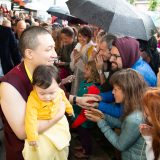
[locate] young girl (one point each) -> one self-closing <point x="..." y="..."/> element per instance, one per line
<point x="44" y="103"/>
<point x="83" y="127"/>
<point x="128" y="89"/>
<point x="151" y="130"/>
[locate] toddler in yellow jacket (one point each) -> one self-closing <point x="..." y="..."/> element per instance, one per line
<point x="43" y="104"/>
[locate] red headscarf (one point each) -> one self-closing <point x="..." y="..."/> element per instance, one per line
<point x="129" y="50"/>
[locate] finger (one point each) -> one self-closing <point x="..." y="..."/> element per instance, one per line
<point x="83" y="106"/>
<point x="88" y="112"/>
<point x="96" y="61"/>
<point x="94" y="97"/>
<point x="95" y="104"/>
<point x="101" y="58"/>
<point x="88" y="117"/>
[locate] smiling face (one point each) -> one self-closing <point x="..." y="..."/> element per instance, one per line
<point x="49" y="93"/>
<point x="115" y="59"/>
<point x="83" y="40"/>
<point x="104" y="51"/>
<point x="118" y="94"/>
<point x="44" y="54"/>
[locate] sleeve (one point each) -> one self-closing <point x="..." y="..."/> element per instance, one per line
<point x="72" y="66"/>
<point x="112" y="109"/>
<point x="31" y="123"/>
<point x="112" y="121"/>
<point x="69" y="108"/>
<point x="107" y="96"/>
<point x="129" y="134"/>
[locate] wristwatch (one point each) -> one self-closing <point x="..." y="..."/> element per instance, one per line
<point x="74" y="100"/>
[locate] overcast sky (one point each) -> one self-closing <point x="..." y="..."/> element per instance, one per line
<point x="60" y="2"/>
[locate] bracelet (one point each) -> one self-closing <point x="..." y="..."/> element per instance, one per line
<point x="74" y="100"/>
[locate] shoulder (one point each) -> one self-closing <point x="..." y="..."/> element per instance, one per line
<point x="9" y="95"/>
<point x="18" y="78"/>
<point x="141" y="66"/>
<point x="136" y="117"/>
<point x="146" y="71"/>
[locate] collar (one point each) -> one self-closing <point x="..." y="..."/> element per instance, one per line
<point x="28" y="73"/>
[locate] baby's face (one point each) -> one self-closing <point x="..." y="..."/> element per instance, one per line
<point x="49" y="93"/>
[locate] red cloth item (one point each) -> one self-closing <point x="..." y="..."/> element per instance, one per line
<point x="81" y="117"/>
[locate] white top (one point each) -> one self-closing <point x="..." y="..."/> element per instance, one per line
<point x="149" y="149"/>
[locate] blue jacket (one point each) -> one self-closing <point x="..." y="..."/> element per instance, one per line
<point x="146" y="71"/>
<point x="129" y="141"/>
<point x="115" y="110"/>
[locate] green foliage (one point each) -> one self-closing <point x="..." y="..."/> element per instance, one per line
<point x="153" y="4"/>
<point x="131" y="1"/>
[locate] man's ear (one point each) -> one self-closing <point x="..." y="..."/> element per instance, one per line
<point x="28" y="53"/>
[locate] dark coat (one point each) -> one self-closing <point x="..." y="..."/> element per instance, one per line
<point x="9" y="52"/>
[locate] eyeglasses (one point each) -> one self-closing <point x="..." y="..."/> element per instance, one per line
<point x="115" y="56"/>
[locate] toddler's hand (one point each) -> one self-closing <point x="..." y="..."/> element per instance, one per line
<point x="33" y="143"/>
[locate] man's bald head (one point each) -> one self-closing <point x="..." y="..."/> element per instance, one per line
<point x="21" y="26"/>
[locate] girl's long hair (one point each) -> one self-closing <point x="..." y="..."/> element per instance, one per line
<point x="94" y="73"/>
<point x="151" y="102"/>
<point x="133" y="87"/>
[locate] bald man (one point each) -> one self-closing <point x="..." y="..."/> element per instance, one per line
<point x="20" y="27"/>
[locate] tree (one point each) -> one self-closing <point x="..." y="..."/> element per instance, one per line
<point x="131" y="1"/>
<point x="153" y="4"/>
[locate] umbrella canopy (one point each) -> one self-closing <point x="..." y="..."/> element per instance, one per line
<point x="114" y="16"/>
<point x="155" y="15"/>
<point x="62" y="12"/>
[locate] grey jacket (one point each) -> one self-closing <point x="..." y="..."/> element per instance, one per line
<point x="129" y="141"/>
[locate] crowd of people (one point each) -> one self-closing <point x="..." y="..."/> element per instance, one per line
<point x="58" y="79"/>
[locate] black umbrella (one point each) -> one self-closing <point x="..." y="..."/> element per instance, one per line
<point x="114" y="16"/>
<point x="63" y="13"/>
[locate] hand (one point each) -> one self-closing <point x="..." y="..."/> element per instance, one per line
<point x="84" y="102"/>
<point x="94" y="115"/>
<point x="33" y="143"/>
<point x="99" y="62"/>
<point x="145" y="129"/>
<point x="68" y="79"/>
<point x="60" y="63"/>
<point x="98" y="97"/>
